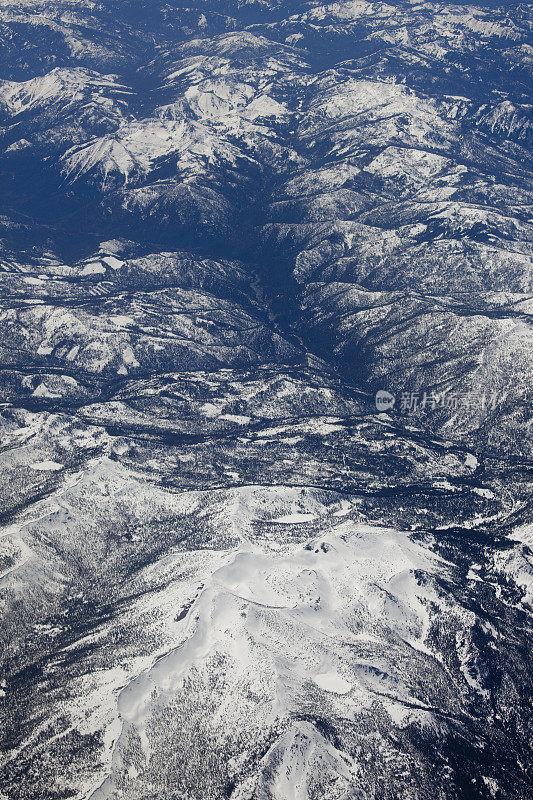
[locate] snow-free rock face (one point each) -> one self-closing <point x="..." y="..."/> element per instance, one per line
<point x="227" y="569"/>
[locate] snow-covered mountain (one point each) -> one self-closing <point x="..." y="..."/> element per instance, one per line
<point x="225" y="570"/>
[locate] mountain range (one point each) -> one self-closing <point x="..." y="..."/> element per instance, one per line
<point x="266" y="383"/>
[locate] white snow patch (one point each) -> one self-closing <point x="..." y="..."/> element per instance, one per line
<point x="343" y="510"/>
<point x="471" y="461"/>
<point x="51" y="466"/>
<point x="128" y="357"/>
<point x="289" y="519"/>
<point x="331" y="682"/>
<point x="93" y="268"/>
<point x="43" y="391"/>
<point x="121" y="320"/>
<point x="114" y="263"/>
<point x="483" y="492"/>
<point x="210" y="410"/>
<point x="238" y="418"/>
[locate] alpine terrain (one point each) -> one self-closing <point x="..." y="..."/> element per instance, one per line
<point x="266" y="394"/>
